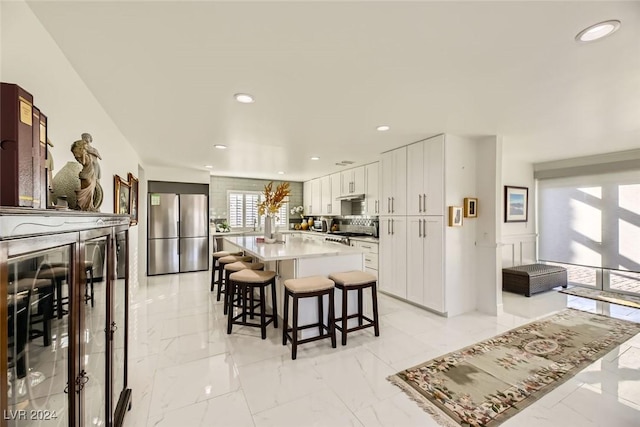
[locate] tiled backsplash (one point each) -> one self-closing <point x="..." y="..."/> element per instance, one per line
<point x="221" y="184"/>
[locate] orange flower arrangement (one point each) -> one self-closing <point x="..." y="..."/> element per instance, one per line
<point x="273" y="200"/>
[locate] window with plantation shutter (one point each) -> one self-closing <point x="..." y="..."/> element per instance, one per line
<point x="243" y="211"/>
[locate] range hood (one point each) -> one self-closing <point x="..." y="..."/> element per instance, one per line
<point x="351" y="197"/>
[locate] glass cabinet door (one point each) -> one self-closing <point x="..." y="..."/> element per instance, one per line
<point x="93" y="298"/>
<point x="38" y="321"/>
<point x="119" y="324"/>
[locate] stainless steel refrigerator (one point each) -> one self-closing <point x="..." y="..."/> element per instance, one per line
<point x="178" y="233"/>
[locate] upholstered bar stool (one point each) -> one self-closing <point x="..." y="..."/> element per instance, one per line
<point x="214" y="264"/>
<point x="308" y="287"/>
<point x="42" y="297"/>
<point x="247" y="281"/>
<point x="222" y="261"/>
<point x="356" y="281"/>
<point x="233" y="268"/>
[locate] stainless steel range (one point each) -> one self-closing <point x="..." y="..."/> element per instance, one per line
<point x="343" y="237"/>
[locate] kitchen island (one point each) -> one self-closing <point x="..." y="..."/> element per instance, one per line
<point x="300" y="256"/>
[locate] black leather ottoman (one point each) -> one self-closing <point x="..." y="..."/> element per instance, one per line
<point x="533" y="278"/>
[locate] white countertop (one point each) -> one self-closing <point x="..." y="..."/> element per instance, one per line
<point x="295" y="247"/>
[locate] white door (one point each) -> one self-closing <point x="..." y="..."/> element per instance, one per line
<point x="387" y="182"/>
<point x="434" y="295"/>
<point x="434" y="176"/>
<point x="346" y="181"/>
<point x="392" y="261"/>
<point x="358" y="180"/>
<point x="415" y="259"/>
<point x="415" y="181"/>
<point x="371" y="190"/>
<point x="306" y="197"/>
<point x="336" y="205"/>
<point x="399" y="194"/>
<point x="316" y="197"/>
<point x="325" y="195"/>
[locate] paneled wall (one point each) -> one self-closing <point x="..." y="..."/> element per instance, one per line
<point x="221" y="184"/>
<point x="519" y="250"/>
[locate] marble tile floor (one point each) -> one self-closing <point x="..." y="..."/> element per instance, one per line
<point x="186" y="371"/>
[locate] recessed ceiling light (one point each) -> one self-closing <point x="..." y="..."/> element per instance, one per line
<point x="244" y="98"/>
<point x="598" y="31"/>
<point x="208" y="166"/>
<point x="383" y="128"/>
<point x="315" y="158"/>
<point x="280" y="172"/>
<point x="220" y="147"/>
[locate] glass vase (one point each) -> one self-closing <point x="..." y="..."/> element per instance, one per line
<point x="269" y="227"/>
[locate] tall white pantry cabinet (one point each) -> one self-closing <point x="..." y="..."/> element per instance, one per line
<point x="412" y="223"/>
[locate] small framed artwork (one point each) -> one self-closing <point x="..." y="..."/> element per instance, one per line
<point x="133" y="198"/>
<point x="455" y="216"/>
<point x="121" y="195"/>
<point x="470" y="207"/>
<point x="516" y="204"/>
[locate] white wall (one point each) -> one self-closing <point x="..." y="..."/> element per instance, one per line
<point x="195" y="176"/>
<point x="489" y="225"/>
<point x="32" y="59"/>
<point x="460" y="257"/>
<point x="518" y="238"/>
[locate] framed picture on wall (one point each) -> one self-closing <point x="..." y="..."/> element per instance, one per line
<point x="516" y="204"/>
<point x="133" y="198"/>
<point x="470" y="207"/>
<point x="455" y="216"/>
<point x="121" y="195"/>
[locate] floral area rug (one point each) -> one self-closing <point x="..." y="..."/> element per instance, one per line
<point x="488" y="382"/>
<point x="612" y="297"/>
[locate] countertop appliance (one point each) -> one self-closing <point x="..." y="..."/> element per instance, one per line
<point x="178" y="233"/>
<point x="320" y="225"/>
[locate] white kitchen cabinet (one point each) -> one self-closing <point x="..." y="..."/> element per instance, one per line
<point x="336" y="206"/>
<point x="425" y="177"/>
<point x="325" y="195"/>
<point x="425" y="277"/>
<point x="392" y="260"/>
<point x="316" y="197"/>
<point x="306" y="197"/>
<point x="394" y="182"/>
<point x="352" y="181"/>
<point x="371" y="195"/>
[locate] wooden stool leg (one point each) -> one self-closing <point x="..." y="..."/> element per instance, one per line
<point x="332" y="319"/>
<point x="220" y="274"/>
<point x="243" y="295"/>
<point x="230" y="315"/>
<point x="344" y="315"/>
<point x="59" y="295"/>
<point x="286" y="317"/>
<point x="360" y="307"/>
<point x="320" y="312"/>
<point x="263" y="312"/>
<point x="274" y="303"/>
<point x="213" y="273"/>
<point x="294" y="332"/>
<point x="374" y="301"/>
<point x="228" y="295"/>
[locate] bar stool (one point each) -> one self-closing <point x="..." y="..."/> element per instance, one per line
<point x="222" y="261"/>
<point x="214" y="264"/>
<point x="88" y="286"/>
<point x="350" y="281"/>
<point x="233" y="268"/>
<point x="247" y="281"/>
<point x="307" y="287"/>
<point x="41" y="295"/>
<point x="56" y="274"/>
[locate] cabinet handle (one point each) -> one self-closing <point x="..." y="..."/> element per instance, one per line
<point x="388" y="226"/>
<point x="419" y="228"/>
<point x="367" y="259"/>
<point x="392" y="221"/>
<point x="329" y="207"/>
<point x="419" y="202"/>
<point x="424" y="203"/>
<point x="393" y="208"/>
<point x="388" y="204"/>
<point x="424" y="231"/>
<point x="363" y="246"/>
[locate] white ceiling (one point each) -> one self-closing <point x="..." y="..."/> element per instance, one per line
<point x="325" y="74"/>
